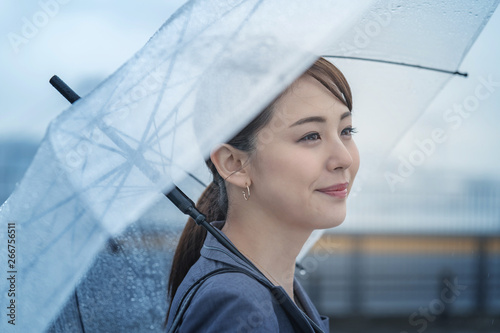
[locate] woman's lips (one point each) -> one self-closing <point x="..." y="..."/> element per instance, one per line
<point x="337" y="190"/>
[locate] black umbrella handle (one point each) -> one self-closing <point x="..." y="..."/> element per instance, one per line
<point x="187" y="206"/>
<point x="64" y="89"/>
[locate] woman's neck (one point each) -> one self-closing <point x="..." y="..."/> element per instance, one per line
<point x="271" y="245"/>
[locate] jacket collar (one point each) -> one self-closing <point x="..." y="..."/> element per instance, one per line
<point x="213" y="250"/>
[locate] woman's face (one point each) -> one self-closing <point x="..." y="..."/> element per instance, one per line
<point x="305" y="159"/>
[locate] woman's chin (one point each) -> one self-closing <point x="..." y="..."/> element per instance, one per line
<point x="331" y="221"/>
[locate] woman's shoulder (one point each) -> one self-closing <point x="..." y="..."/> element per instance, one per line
<point x="233" y="302"/>
<point x="236" y="284"/>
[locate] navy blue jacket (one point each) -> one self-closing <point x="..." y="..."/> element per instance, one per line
<point x="241" y="301"/>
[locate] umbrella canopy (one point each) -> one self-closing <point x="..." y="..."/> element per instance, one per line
<point x="106" y="160"/>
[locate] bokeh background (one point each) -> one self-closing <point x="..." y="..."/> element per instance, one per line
<point x="421" y="255"/>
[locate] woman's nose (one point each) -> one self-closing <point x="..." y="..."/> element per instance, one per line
<point x="339" y="156"/>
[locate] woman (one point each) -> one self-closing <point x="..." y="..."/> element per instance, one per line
<point x="284" y="175"/>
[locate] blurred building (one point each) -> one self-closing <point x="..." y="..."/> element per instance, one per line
<point x="15" y="157"/>
<point x="399" y="275"/>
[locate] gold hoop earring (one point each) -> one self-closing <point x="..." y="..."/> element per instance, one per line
<point x="245" y="195"/>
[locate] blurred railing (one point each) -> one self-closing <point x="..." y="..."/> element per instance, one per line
<point x="442" y="206"/>
<point x="399" y="275"/>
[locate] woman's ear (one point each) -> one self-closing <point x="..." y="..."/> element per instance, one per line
<point x="231" y="164"/>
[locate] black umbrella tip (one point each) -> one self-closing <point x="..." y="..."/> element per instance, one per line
<point x="64" y="89"/>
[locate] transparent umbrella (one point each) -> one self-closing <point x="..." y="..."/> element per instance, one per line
<point x="105" y="162"/>
<point x="108" y="158"/>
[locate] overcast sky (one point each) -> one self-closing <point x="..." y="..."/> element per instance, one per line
<point x="83" y="43"/>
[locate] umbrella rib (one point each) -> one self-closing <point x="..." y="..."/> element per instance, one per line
<point x="167" y="120"/>
<point x="196" y="179"/>
<point x="164" y="85"/>
<point x="100" y="145"/>
<point x="118" y="188"/>
<point x="113" y="178"/>
<point x="71" y="197"/>
<point x="153" y="92"/>
<point x="399" y="64"/>
<point x="52" y="243"/>
<point x="139" y="162"/>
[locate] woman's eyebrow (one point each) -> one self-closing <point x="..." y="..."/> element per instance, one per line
<point x="345" y="115"/>
<point x="317" y="119"/>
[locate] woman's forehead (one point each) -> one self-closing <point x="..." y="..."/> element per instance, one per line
<point x="307" y="97"/>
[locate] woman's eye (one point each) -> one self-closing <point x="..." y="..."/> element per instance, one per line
<point x="349" y="131"/>
<point x="311" y="137"/>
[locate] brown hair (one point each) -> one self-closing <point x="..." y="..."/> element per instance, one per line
<point x="214" y="202"/>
